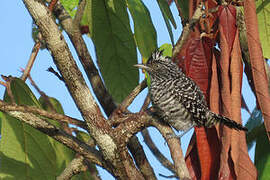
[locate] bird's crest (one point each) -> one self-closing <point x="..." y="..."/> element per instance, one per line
<point x="157" y="54"/>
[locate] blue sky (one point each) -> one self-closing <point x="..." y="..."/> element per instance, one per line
<point x="15" y="48"/>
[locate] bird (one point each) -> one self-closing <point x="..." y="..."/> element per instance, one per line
<point x="177" y="99"/>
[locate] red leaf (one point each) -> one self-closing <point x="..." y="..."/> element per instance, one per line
<point x="227" y="21"/>
<point x="198" y="62"/>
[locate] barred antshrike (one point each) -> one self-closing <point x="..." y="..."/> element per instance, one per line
<point x="176" y="98"/>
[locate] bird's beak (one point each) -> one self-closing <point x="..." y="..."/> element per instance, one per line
<point x="141" y="66"/>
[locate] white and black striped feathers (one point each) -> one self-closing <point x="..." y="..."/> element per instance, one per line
<point x="177" y="99"/>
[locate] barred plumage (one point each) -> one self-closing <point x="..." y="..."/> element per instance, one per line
<point x="177" y="99"/>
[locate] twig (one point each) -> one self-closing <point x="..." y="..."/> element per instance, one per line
<point x="55" y="116"/>
<point x="8" y="79"/>
<point x="141" y="161"/>
<point x="3" y="83"/>
<point x="79" y="164"/>
<point x="35" y="49"/>
<point x="136" y="122"/>
<point x="129" y="99"/>
<point x="186" y="30"/>
<point x="165" y="176"/>
<point x="64" y="125"/>
<point x="31" y="61"/>
<point x="121" y="114"/>
<point x="160" y="157"/>
<point x="36" y="87"/>
<point x="145" y="103"/>
<point x="50" y="69"/>
<point x="74" y="167"/>
<point x="175" y="149"/>
<point x="79" y="14"/>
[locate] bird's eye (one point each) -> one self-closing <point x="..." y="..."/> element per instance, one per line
<point x="156" y="65"/>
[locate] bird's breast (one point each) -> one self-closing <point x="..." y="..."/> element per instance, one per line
<point x="168" y="107"/>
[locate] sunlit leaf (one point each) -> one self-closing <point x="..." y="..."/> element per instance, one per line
<point x="26" y="153"/>
<point x="1" y="116"/>
<point x="115" y="46"/>
<point x="70" y="6"/>
<point x="263" y="14"/>
<point x="22" y="147"/>
<point x="167" y="49"/>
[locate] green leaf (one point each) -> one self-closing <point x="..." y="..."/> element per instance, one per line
<point x="167" y="16"/>
<point x="84" y="137"/>
<point x="164" y="6"/>
<point x="25" y="152"/>
<point x="257" y="132"/>
<point x="262" y="155"/>
<point x="253" y="124"/>
<point x="70" y="6"/>
<point x="21" y="93"/>
<point x="144" y="31"/>
<point x="1" y="116"/>
<point x="63" y="154"/>
<point x="254" y="120"/>
<point x="167" y="49"/>
<point x="114" y="43"/>
<point x="263" y="15"/>
<point x="184" y="9"/>
<point x="23" y="147"/>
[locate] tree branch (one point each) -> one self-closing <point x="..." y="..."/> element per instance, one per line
<point x="129" y="99"/>
<point x="74" y="167"/>
<point x="79" y="14"/>
<point x="31" y="61"/>
<point x="146" y="103"/>
<point x="73" y="31"/>
<point x="175" y="149"/>
<point x="134" y="123"/>
<point x="70" y="141"/>
<point x="51" y="115"/>
<point x="35" y="49"/>
<point x="186" y="30"/>
<point x="141" y="159"/>
<point x="98" y="127"/>
<point x="51" y="70"/>
<point x="160" y="157"/>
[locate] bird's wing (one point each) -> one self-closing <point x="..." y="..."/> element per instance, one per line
<point x="192" y="98"/>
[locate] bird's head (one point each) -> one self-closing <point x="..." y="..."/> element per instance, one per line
<point x="158" y="64"/>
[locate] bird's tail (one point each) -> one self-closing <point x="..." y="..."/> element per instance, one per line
<point x="226" y="121"/>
